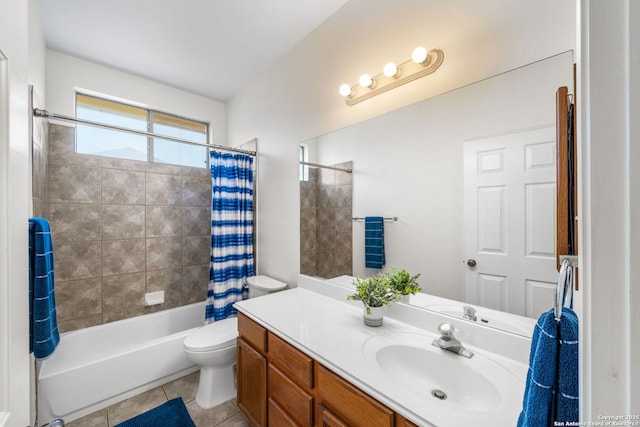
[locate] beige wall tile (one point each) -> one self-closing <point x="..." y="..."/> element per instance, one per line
<point x="77" y="260"/>
<point x="123" y="256"/>
<point x="123" y="221"/>
<point x="164" y="252"/>
<point x="123" y="187"/>
<point x="164" y="221"/>
<point x="123" y="291"/>
<point x="78" y="298"/>
<point x="163" y="190"/>
<point x="75" y="222"/>
<point x="74" y="184"/>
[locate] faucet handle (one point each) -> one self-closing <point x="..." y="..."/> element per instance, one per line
<point x="446" y="330"/>
<point x="469" y="313"/>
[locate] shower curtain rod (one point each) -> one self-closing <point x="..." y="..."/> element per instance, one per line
<point x="37" y="112"/>
<point x="318" y="165"/>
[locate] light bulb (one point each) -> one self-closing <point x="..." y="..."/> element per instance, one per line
<point x="345" y="90"/>
<point x="365" y="80"/>
<point x="390" y="69"/>
<point x="419" y="55"/>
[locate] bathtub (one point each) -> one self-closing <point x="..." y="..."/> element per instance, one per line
<point x="95" y="367"/>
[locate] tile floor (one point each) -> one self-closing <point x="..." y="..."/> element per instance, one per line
<point x="224" y="415"/>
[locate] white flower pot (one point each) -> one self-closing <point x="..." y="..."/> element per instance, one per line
<point x="374" y="317"/>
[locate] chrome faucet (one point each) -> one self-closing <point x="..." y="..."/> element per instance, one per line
<point x="469" y="313"/>
<point x="449" y="343"/>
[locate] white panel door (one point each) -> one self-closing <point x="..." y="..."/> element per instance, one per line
<point x="509" y="220"/>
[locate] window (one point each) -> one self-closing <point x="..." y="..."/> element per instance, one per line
<point x="304" y="169"/>
<point x="127" y="145"/>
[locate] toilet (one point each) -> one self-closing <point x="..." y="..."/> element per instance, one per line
<point x="213" y="348"/>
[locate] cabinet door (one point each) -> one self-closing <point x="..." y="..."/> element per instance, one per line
<point x="252" y="384"/>
<point x="329" y="419"/>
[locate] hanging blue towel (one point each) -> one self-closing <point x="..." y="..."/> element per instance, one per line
<point x="43" y="324"/>
<point x="551" y="392"/>
<point x="374" y="242"/>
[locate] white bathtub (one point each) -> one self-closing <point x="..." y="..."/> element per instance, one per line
<point x="96" y="367"/>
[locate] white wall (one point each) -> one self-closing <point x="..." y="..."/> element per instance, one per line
<point x="409" y="163"/>
<point x="297" y="98"/>
<point x="66" y="74"/>
<point x="37" y="55"/>
<point x="21" y="43"/>
<point x="609" y="131"/>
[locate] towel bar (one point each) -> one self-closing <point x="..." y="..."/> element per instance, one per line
<point x="564" y="289"/>
<point x="386" y="219"/>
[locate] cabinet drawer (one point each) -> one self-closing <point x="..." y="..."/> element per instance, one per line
<point x="403" y="422"/>
<point x="341" y="398"/>
<point x="291" y="361"/>
<point x="328" y="419"/>
<point x="252" y="333"/>
<point x="295" y="401"/>
<point x="278" y="417"/>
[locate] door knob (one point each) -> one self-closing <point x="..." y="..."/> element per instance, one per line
<point x="471" y="263"/>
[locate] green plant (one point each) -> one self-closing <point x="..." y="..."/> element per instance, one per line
<point x="384" y="288"/>
<point x="374" y="291"/>
<point x="403" y="282"/>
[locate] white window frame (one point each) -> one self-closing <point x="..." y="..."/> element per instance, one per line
<point x="149" y="128"/>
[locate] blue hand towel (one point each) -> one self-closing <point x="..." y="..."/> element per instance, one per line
<point x="374" y="242"/>
<point x="551" y="392"/>
<point x="43" y="324"/>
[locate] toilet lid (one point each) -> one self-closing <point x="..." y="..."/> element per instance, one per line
<point x="266" y="283"/>
<point x="220" y="334"/>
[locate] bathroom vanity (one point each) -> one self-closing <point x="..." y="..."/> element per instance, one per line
<point x="278" y="385"/>
<point x="305" y="358"/>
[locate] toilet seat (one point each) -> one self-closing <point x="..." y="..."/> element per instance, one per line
<point x="214" y="336"/>
<point x="266" y="283"/>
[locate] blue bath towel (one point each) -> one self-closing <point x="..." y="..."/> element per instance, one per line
<point x="551" y="392"/>
<point x="374" y="242"/>
<point x="43" y="324"/>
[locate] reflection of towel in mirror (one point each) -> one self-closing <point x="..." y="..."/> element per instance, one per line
<point x="43" y="325"/>
<point x="551" y="392"/>
<point x="374" y="242"/>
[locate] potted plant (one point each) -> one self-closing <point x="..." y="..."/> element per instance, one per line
<point x="404" y="283"/>
<point x="381" y="290"/>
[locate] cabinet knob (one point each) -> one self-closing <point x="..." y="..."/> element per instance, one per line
<point x="471" y="263"/>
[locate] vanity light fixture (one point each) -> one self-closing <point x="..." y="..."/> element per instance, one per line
<point x="422" y="63"/>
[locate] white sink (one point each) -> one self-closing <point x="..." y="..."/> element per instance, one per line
<point x="479" y="384"/>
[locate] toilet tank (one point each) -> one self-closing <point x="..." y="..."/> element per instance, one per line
<point x="263" y="285"/>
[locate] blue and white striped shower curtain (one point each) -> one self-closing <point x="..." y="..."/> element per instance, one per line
<point x="232" y="259"/>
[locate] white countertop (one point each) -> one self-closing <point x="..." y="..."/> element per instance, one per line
<point x="333" y="333"/>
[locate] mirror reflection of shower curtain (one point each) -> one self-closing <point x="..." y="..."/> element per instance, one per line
<point x="232" y="252"/>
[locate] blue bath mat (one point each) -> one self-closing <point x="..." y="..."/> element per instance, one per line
<point x="170" y="414"/>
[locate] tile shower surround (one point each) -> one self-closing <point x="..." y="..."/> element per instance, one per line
<point x="326" y="222"/>
<point x="120" y="228"/>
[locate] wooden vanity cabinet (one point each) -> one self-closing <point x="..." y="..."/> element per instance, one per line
<point x="280" y="386"/>
<point x="251" y="390"/>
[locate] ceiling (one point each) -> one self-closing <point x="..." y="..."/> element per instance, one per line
<point x="208" y="47"/>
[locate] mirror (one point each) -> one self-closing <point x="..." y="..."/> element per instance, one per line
<point x="470" y="176"/>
